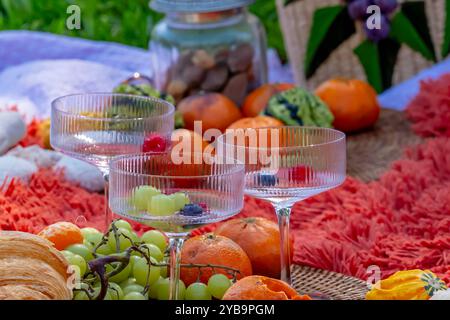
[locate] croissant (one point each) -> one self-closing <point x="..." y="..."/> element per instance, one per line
<point x="31" y="268"/>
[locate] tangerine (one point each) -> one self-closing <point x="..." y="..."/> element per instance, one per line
<point x="62" y="234"/>
<point x="191" y="138"/>
<point x="258" y="99"/>
<point x="260" y="239"/>
<point x="213" y="250"/>
<point x="214" y="110"/>
<point x="353" y="103"/>
<point x="256" y="122"/>
<point x="262" y="288"/>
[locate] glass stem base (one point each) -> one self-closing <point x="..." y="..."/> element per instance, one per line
<point x="108" y="213"/>
<point x="175" y="245"/>
<point x="284" y="215"/>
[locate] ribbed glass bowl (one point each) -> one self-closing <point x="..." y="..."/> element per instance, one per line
<point x="218" y="187"/>
<point x="95" y="127"/>
<point x="285" y="165"/>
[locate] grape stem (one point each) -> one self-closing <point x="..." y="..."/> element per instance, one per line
<point x="97" y="266"/>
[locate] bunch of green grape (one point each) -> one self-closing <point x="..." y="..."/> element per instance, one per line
<point x="139" y="280"/>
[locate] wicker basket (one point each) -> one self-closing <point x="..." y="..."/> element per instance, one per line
<point x="296" y="22"/>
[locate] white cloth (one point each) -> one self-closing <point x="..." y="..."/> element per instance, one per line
<point x="12" y="130"/>
<point x="40" y="157"/>
<point x="82" y="173"/>
<point x="43" y="81"/>
<point x="15" y="168"/>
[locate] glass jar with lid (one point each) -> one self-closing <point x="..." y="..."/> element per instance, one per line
<point x="208" y="46"/>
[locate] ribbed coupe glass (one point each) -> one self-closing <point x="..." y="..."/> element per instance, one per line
<point x="94" y="127"/>
<point x="215" y="186"/>
<point x="285" y="165"/>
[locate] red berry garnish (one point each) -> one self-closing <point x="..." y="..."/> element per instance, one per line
<point x="297" y="174"/>
<point x="154" y="143"/>
<point x="300" y="173"/>
<point x="203" y="205"/>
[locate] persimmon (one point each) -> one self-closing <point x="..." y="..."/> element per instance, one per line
<point x="260" y="239"/>
<point x="262" y="288"/>
<point x="257" y="100"/>
<point x="214" y="110"/>
<point x="213" y="250"/>
<point x="62" y="234"/>
<point x="256" y="122"/>
<point x="353" y="103"/>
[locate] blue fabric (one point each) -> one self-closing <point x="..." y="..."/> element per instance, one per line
<point x="399" y="96"/>
<point x="17" y="47"/>
<point x="36" y="68"/>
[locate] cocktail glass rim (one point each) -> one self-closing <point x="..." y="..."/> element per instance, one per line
<point x="171" y="110"/>
<point x="115" y="159"/>
<point x="342" y="137"/>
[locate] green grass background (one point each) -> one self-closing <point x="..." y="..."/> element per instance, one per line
<point x="128" y="22"/>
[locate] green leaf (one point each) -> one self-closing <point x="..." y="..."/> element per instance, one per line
<point x="378" y="61"/>
<point x="267" y="13"/>
<point x="446" y="42"/>
<point x="330" y="28"/>
<point x="409" y="26"/>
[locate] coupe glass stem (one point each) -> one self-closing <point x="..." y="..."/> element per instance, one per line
<point x="108" y="213"/>
<point x="284" y="215"/>
<point x="175" y="244"/>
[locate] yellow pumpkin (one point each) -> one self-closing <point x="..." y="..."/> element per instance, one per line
<point x="407" y="285"/>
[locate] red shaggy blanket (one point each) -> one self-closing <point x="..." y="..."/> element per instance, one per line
<point x="47" y="199"/>
<point x="430" y="109"/>
<point x="400" y="222"/>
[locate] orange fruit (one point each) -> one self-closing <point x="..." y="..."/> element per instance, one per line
<point x="256" y="122"/>
<point x="252" y="234"/>
<point x="258" y="99"/>
<point x="62" y="234"/>
<point x="353" y="103"/>
<point x="189" y="137"/>
<point x="262" y="288"/>
<point x="215" y="250"/>
<point x="214" y="110"/>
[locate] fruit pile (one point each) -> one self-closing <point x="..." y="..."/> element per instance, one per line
<point x="120" y="265"/>
<point x="153" y="201"/>
<point x="348" y="105"/>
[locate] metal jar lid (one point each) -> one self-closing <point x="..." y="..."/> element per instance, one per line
<point x="192" y="6"/>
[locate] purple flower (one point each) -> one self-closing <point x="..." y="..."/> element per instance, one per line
<point x="386" y="6"/>
<point x="378" y="34"/>
<point x="357" y="9"/>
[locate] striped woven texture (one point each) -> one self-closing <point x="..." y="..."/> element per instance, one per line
<point x="296" y="20"/>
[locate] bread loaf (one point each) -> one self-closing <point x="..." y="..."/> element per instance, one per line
<point x="31" y="268"/>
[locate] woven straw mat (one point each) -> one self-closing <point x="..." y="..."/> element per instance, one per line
<point x="326" y="284"/>
<point x="370" y="153"/>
